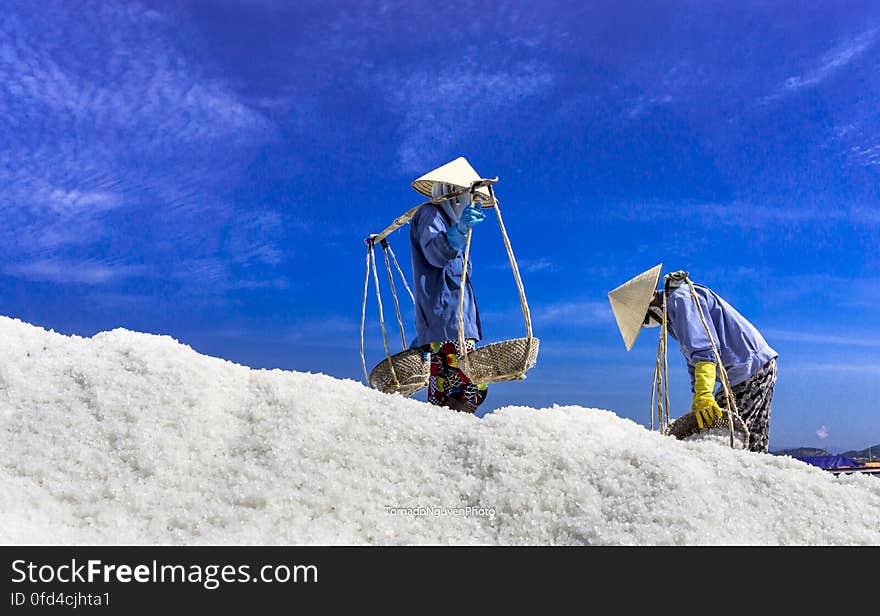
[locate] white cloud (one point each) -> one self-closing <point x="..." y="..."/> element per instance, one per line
<point x="852" y="368"/>
<point x="441" y="109"/>
<point x="828" y="65"/>
<point x="279" y="283"/>
<point x="839" y="291"/>
<point x="332" y="330"/>
<point x="532" y="266"/>
<point x="868" y="156"/>
<point x="90" y="272"/>
<point x="120" y="301"/>
<point x="213" y="275"/>
<point x="643" y="105"/>
<point x="748" y="215"/>
<point x="823" y="432"/>
<point x="82" y="202"/>
<point x="806" y="337"/>
<point x="858" y="140"/>
<point x="124" y="127"/>
<point x="576" y="313"/>
<point x="251" y="240"/>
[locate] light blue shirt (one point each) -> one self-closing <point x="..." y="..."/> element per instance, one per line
<point x="742" y="347"/>
<point x="437" y="268"/>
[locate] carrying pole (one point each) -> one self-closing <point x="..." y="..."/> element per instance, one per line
<point x="404" y="218"/>
<point x="394" y="294"/>
<point x="364" y="315"/>
<point x="462" y="343"/>
<point x="382" y="316"/>
<point x="524" y="304"/>
<point x="516" y="276"/>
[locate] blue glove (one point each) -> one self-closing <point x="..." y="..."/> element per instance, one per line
<point x="470" y="216"/>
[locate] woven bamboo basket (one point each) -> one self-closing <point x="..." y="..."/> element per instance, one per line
<point x="412" y="372"/>
<point x="686" y="426"/>
<point x="507" y="360"/>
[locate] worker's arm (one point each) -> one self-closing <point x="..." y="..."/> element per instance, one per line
<point x="697" y="349"/>
<point x="441" y="244"/>
<point x="684" y="319"/>
<point x="431" y="230"/>
<point x="703" y="404"/>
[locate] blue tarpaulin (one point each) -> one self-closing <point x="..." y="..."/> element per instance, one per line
<point x="829" y="461"/>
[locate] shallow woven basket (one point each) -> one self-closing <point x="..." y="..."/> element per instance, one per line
<point x="507" y="360"/>
<point x="411" y="369"/>
<point x="686" y="426"/>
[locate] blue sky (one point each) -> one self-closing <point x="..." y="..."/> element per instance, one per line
<point x="208" y="170"/>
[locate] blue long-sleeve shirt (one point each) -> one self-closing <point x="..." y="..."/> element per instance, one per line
<point x="437" y="268"/>
<point x="742" y="348"/>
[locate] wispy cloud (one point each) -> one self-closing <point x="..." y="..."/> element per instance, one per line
<point x="101" y="141"/>
<point x="531" y="266"/>
<point x="79" y="202"/>
<point x="828" y="65"/>
<point x="643" y="105"/>
<point x="846" y="368"/>
<point x="441" y="109"/>
<point x="251" y="240"/>
<point x="857" y="139"/>
<point x="332" y="323"/>
<point x="823" y="432"/>
<point x="90" y="272"/>
<point x="748" y="215"/>
<point x="869" y="156"/>
<point x="279" y="283"/>
<point x="808" y="338"/>
<point x="120" y="301"/>
<point x="839" y="291"/>
<point x="575" y="313"/>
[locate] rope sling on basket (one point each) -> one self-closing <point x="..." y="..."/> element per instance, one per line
<point x="408" y="371"/>
<point x="686" y="425"/>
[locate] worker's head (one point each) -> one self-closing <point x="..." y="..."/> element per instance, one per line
<point x="453" y="206"/>
<point x="654" y="315"/>
<point x="631" y="302"/>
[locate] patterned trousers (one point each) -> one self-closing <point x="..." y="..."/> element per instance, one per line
<point x="753" y="397"/>
<point x="448" y="386"/>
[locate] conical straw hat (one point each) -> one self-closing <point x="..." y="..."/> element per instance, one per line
<point x="629" y="302"/>
<point x="458" y="173"/>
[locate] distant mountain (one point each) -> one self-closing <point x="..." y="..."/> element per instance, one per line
<point x="859" y="456"/>
<point x="862" y="455"/>
<point x="800" y="452"/>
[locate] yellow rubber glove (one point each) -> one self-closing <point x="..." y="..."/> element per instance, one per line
<point x="704" y="405"/>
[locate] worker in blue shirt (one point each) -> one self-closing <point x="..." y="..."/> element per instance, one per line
<point x="437" y="238"/>
<point x="749" y="361"/>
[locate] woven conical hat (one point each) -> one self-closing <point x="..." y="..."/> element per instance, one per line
<point x="458" y="173"/>
<point x="629" y="302"/>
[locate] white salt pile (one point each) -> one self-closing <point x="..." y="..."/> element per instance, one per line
<point x="719" y="436"/>
<point x="133" y="438"/>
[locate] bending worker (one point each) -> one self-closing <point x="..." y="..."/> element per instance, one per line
<point x="749" y="361"/>
<point x="437" y="238"/>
